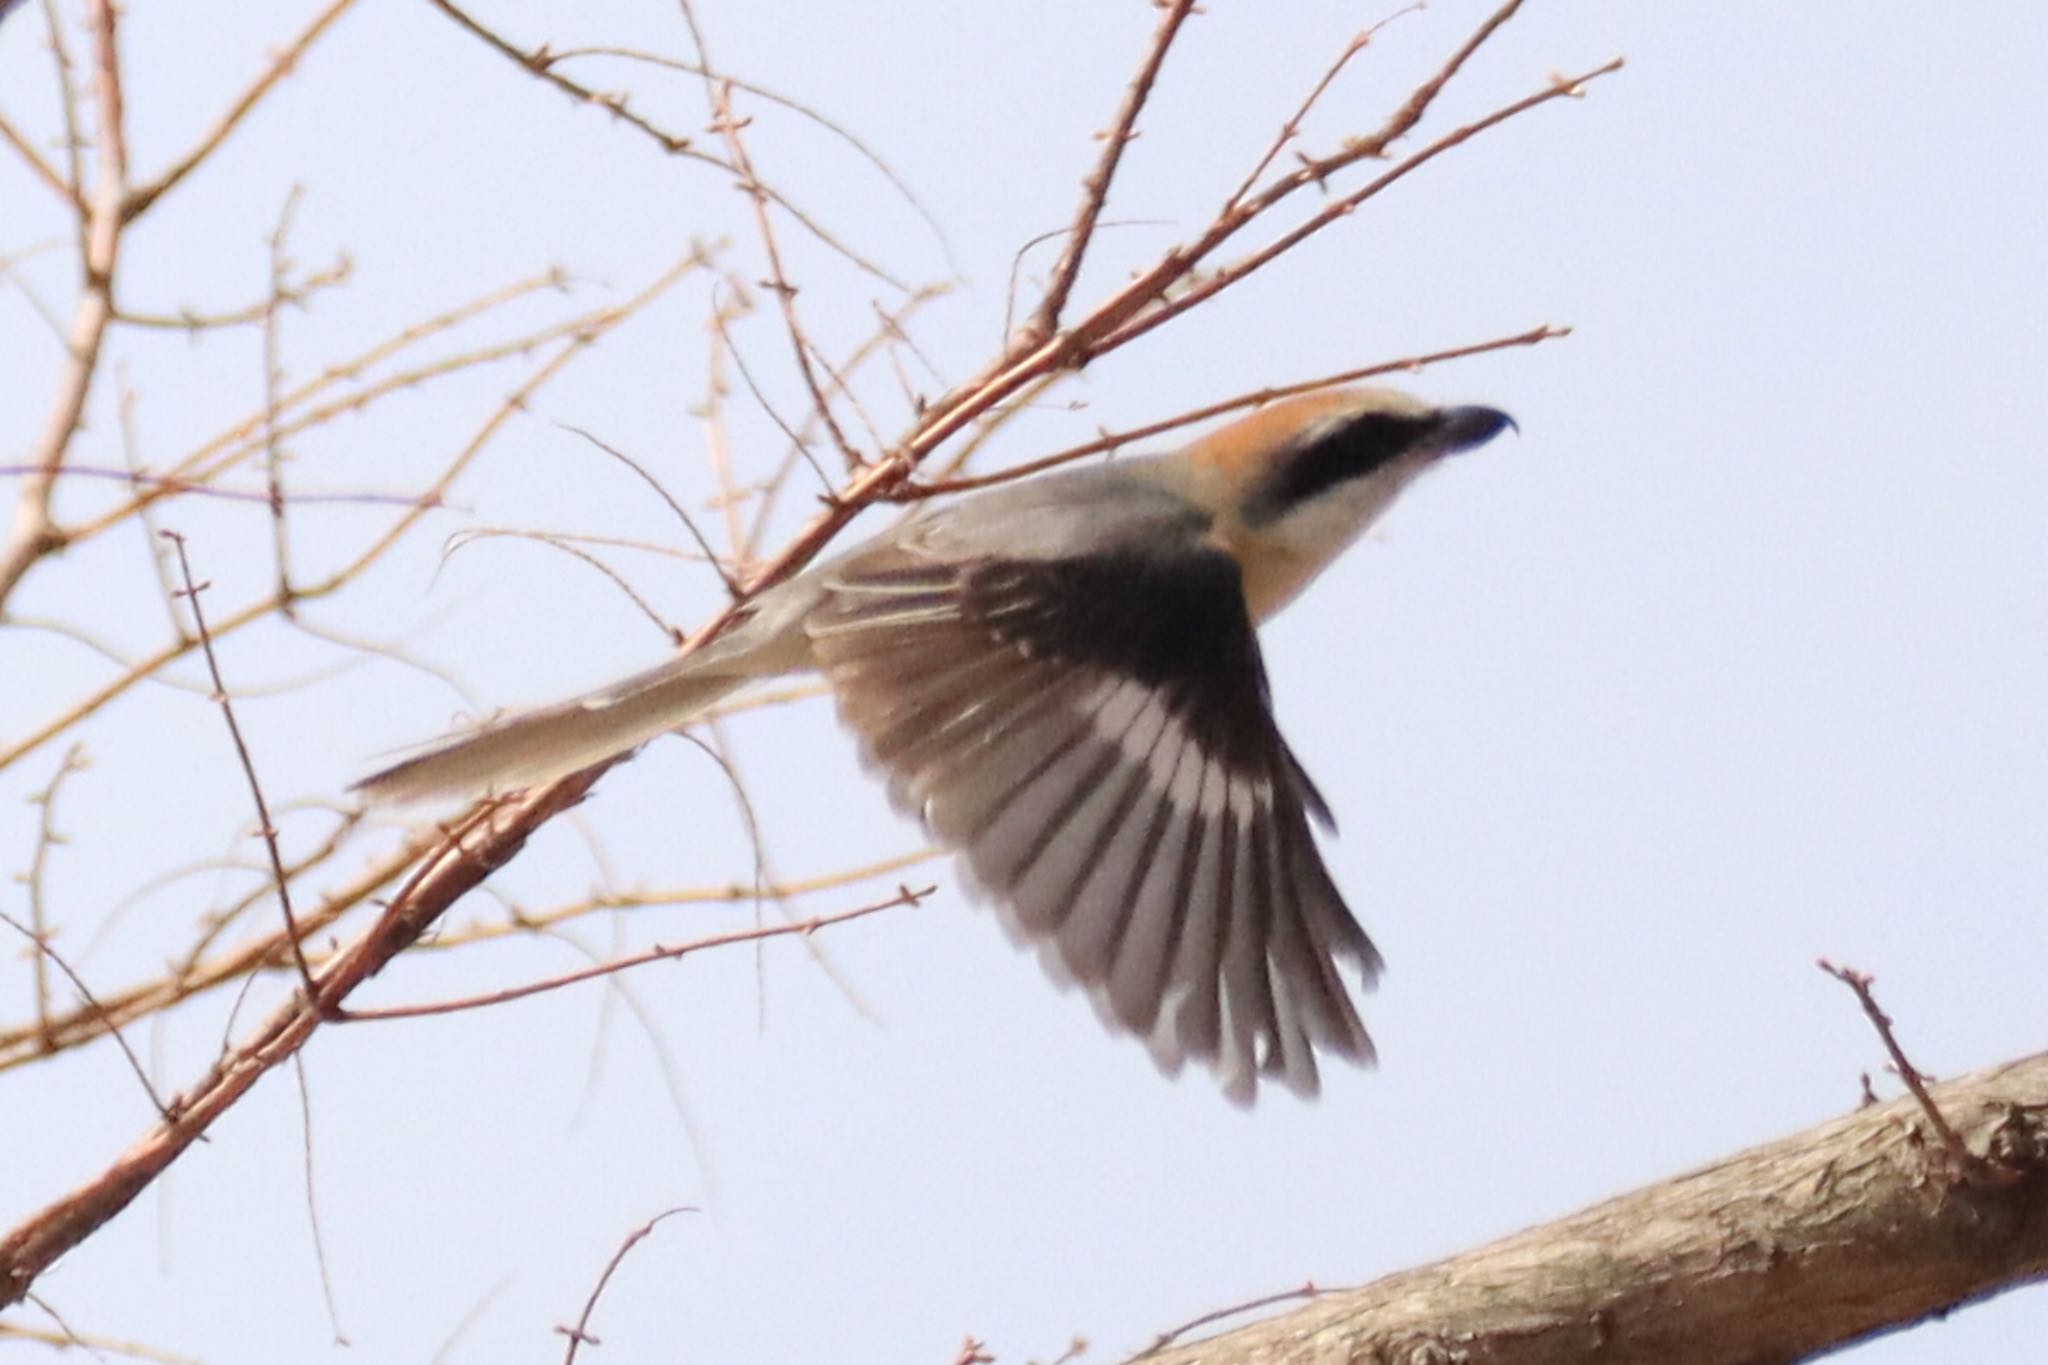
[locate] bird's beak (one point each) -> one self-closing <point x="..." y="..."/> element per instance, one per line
<point x="1466" y="427"/>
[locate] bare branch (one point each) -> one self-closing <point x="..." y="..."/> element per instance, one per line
<point x="580" y="1333"/>
<point x="43" y="170"/>
<point x="905" y="896"/>
<point x="39" y="945"/>
<point x="777" y="283"/>
<point x="34" y="534"/>
<point x="265" y="827"/>
<point x="1095" y="189"/>
<point x="281" y="65"/>
<point x="1962" y="1164"/>
<point x="48" y="837"/>
<point x="1258" y="398"/>
<point x="1774" y="1254"/>
<point x="540" y="62"/>
<point x="1135" y="325"/>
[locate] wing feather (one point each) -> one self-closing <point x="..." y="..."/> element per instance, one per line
<point x="1092" y="735"/>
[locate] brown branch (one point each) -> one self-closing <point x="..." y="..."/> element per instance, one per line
<point x="264" y="825"/>
<point x="280" y="66"/>
<point x="520" y="921"/>
<point x="728" y="126"/>
<point x="775" y="97"/>
<point x="1256" y="398"/>
<point x="242" y="439"/>
<point x="39" y="945"/>
<point x="580" y="1333"/>
<point x="591" y="329"/>
<point x="48" y="837"/>
<point x="43" y="170"/>
<point x="99" y="1345"/>
<point x="539" y="62"/>
<point x="1290" y="129"/>
<point x="1773" y="1254"/>
<point x="191" y="320"/>
<point x="647" y="477"/>
<point x="67" y="108"/>
<point x="1135" y="324"/>
<point x="497" y="832"/>
<point x="1962" y="1164"/>
<point x="804" y="928"/>
<point x="274" y="453"/>
<point x="198" y="973"/>
<point x="35" y="535"/>
<point x="1045" y="320"/>
<point x="1165" y="1339"/>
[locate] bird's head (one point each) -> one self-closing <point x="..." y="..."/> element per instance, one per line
<point x="1297" y="481"/>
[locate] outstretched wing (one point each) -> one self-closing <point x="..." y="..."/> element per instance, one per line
<point x="1093" y="735"/>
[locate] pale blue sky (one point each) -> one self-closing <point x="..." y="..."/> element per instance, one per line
<point x="1733" y="659"/>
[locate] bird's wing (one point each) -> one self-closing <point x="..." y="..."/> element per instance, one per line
<point x="1093" y="735"/>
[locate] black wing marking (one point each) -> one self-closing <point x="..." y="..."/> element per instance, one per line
<point x="1092" y="734"/>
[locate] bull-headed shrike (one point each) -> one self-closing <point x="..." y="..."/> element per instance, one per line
<point x="1060" y="678"/>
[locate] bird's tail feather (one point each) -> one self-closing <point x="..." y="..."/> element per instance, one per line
<point x="530" y="747"/>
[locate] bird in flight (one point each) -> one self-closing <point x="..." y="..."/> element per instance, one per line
<point x="1061" y="678"/>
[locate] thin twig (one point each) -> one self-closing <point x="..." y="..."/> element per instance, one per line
<point x="237" y="442"/>
<point x="580" y="1333"/>
<point x="190" y="592"/>
<point x="647" y="477"/>
<point x="1256" y="398"/>
<point x="1045" y="320"/>
<point x="777" y="283"/>
<point x="538" y="62"/>
<point x="197" y="973"/>
<point x="1291" y="128"/>
<point x="905" y="896"/>
<point x="153" y="544"/>
<point x="43" y="170"/>
<point x="101" y="1345"/>
<point x="593" y="330"/>
<point x="499" y="829"/>
<point x="312" y="1200"/>
<point x="34" y="534"/>
<point x="273" y="380"/>
<point x="795" y="106"/>
<point x="1135" y="324"/>
<point x="521" y="921"/>
<point x="1173" y="1334"/>
<point x="717" y="430"/>
<point x="799" y="444"/>
<point x="67" y="107"/>
<point x="192" y="321"/>
<point x="280" y="65"/>
<point x="48" y="837"/>
<point x="42" y="949"/>
<point x="566" y="546"/>
<point x="1963" y="1162"/>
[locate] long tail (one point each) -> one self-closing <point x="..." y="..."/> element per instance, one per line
<point x="531" y="747"/>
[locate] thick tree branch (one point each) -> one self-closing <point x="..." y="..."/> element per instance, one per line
<point x="1844" y="1230"/>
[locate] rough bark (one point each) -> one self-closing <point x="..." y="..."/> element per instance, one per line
<point x="1860" y="1225"/>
